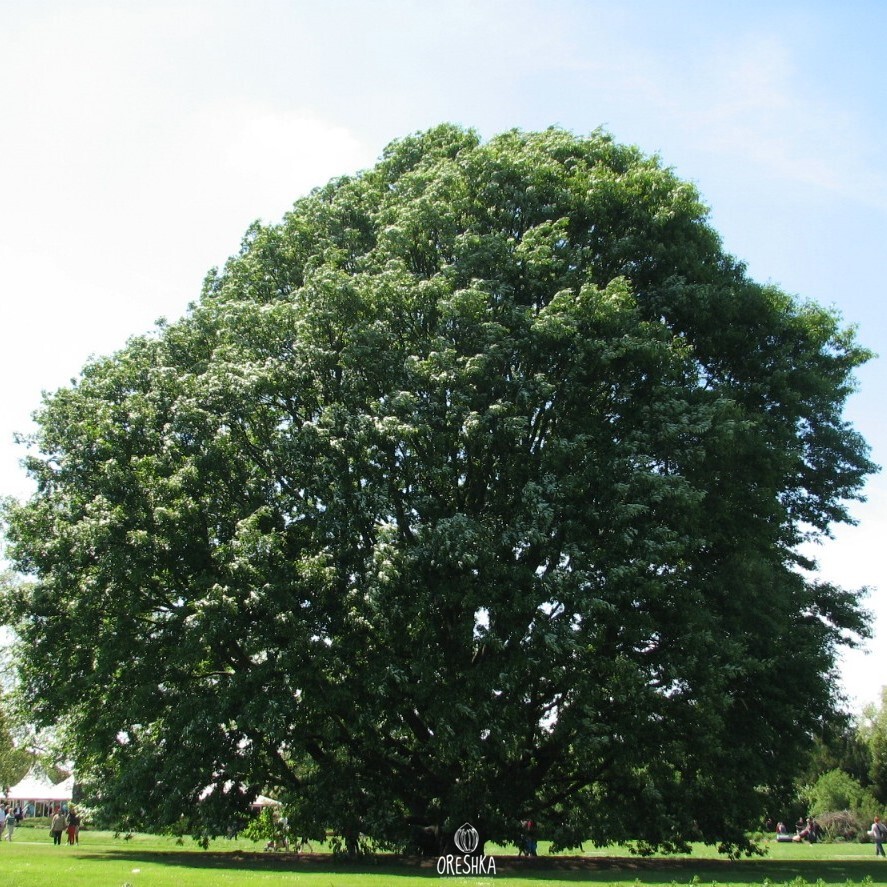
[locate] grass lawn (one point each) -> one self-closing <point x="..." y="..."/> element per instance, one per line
<point x="101" y="860"/>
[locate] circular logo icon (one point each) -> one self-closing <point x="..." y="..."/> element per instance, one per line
<point x="466" y="838"/>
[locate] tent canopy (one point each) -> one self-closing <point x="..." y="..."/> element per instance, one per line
<point x="34" y="787"/>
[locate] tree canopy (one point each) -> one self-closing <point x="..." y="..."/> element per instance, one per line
<point x="14" y="760"/>
<point x="471" y="491"/>
<point x="873" y="733"/>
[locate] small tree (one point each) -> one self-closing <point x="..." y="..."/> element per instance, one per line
<point x="839" y="746"/>
<point x="836" y="790"/>
<point x="873" y="732"/>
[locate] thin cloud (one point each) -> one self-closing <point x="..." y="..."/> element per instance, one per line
<point x="748" y="99"/>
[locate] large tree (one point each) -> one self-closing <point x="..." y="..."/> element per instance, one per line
<point x="473" y="490"/>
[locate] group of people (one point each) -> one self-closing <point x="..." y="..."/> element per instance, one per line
<point x="61" y="823"/>
<point x="810" y="830"/>
<point x="9" y="819"/>
<point x="805" y="830"/>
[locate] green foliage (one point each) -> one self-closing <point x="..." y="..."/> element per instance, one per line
<point x="15" y="760"/>
<point x="873" y="733"/>
<point x="266" y="826"/>
<point x="840" y="746"/>
<point x="836" y="790"/>
<point x="473" y="491"/>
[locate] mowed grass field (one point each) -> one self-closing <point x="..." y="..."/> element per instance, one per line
<point x="101" y="860"/>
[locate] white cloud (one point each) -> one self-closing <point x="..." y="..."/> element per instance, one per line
<point x="850" y="560"/>
<point x="273" y="156"/>
<point x="747" y="98"/>
<point x="756" y="105"/>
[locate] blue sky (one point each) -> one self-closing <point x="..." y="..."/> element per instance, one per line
<point x="139" y="139"/>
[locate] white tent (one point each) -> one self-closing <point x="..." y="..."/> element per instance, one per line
<point x="37" y="795"/>
<point x="64" y="790"/>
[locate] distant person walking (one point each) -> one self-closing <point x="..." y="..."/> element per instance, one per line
<point x="10" y="826"/>
<point x="879" y="835"/>
<point x="57" y="826"/>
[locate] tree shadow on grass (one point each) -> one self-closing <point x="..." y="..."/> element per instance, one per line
<point x="544" y="868"/>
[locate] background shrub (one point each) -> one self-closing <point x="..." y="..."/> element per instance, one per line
<point x="848" y="825"/>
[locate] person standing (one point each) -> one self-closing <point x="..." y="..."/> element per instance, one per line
<point x="10" y="825"/>
<point x="73" y="826"/>
<point x="879" y="835"/>
<point x="57" y="826"/>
